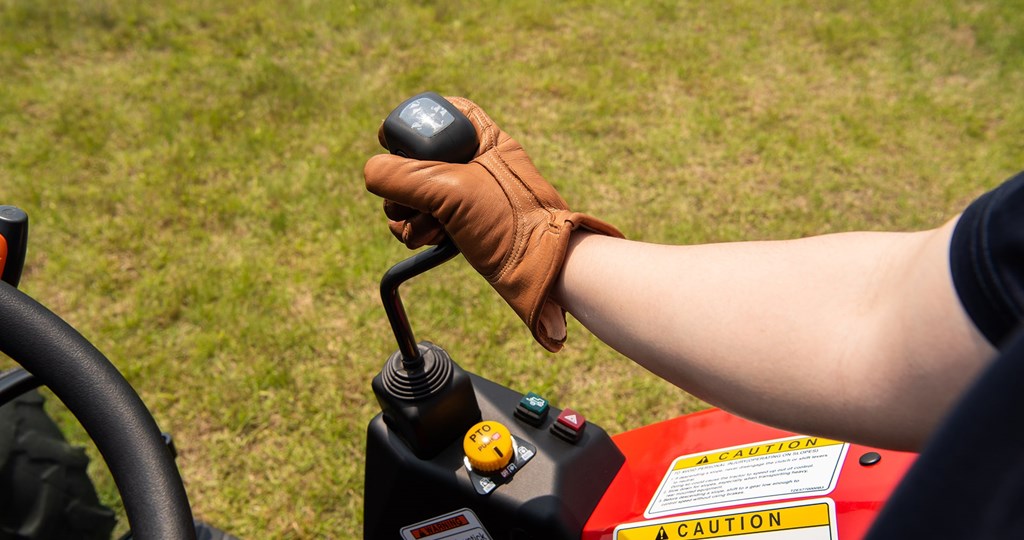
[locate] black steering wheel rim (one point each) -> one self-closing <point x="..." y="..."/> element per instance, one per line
<point x="109" y="409"/>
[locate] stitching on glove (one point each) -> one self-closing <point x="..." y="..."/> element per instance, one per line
<point x="499" y="170"/>
<point x="488" y="137"/>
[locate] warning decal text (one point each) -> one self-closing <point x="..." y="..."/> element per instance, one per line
<point x="764" y="471"/>
<point x="805" y="520"/>
<point x="459" y="525"/>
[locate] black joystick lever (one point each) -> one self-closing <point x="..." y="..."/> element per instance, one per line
<point x="14" y="233"/>
<point x="426" y="398"/>
<point x="425" y="127"/>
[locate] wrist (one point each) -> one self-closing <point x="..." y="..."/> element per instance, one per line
<point x="579" y="241"/>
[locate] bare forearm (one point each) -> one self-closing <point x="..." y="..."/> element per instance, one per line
<point x="856" y="336"/>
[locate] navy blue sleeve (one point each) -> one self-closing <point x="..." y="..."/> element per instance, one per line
<point x="986" y="257"/>
<point x="951" y="491"/>
<point x="969" y="480"/>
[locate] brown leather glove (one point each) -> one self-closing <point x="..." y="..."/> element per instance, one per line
<point x="509" y="223"/>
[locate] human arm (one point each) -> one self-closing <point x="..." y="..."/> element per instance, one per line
<point x="855" y="336"/>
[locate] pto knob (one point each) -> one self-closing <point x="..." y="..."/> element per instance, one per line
<point x="488" y="446"/>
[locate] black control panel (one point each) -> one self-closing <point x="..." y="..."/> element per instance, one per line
<point x="549" y="497"/>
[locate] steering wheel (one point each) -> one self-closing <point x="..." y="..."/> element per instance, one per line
<point x="107" y="407"/>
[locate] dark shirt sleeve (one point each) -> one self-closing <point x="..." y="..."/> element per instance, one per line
<point x="951" y="491"/>
<point x="969" y="480"/>
<point x="986" y="257"/>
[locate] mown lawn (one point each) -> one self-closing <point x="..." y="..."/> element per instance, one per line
<point x="193" y="173"/>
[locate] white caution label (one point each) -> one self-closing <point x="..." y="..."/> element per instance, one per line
<point x="458" y="525"/>
<point x="798" y="520"/>
<point x="768" y="470"/>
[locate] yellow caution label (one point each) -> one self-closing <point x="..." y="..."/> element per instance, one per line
<point x="762" y="449"/>
<point x="815" y="516"/>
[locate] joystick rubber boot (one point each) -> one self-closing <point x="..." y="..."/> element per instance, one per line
<point x="428" y="404"/>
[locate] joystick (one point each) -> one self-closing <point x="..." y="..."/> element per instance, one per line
<point x="426" y="398"/>
<point x="452" y="454"/>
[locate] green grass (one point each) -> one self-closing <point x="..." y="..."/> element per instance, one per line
<point x="193" y="172"/>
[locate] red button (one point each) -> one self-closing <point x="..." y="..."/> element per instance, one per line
<point x="572" y="419"/>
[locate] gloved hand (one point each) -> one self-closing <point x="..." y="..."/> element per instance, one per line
<point x="509" y="223"/>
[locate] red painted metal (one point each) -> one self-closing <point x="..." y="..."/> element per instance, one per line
<point x="650" y="450"/>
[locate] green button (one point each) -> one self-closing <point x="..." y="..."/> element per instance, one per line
<point x="534" y="403"/>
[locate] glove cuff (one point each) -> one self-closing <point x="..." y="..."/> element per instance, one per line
<point x="529" y="289"/>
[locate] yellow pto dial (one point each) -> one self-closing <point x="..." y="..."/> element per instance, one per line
<point x="488" y="446"/>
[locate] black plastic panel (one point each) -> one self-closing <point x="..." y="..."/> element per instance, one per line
<point x="551" y="497"/>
